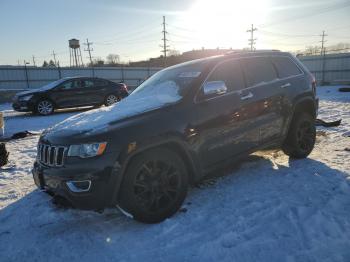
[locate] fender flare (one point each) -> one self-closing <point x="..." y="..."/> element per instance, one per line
<point x="124" y="159"/>
<point x="296" y="104"/>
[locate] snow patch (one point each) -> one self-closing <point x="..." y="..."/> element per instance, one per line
<point x="138" y="102"/>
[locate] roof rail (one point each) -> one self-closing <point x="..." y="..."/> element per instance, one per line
<point x="250" y="51"/>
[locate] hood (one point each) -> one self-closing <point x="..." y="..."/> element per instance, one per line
<point x="137" y="103"/>
<point x="29" y="92"/>
<point x="43" y="88"/>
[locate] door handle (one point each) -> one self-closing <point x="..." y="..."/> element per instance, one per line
<point x="285" y="85"/>
<point x="249" y="95"/>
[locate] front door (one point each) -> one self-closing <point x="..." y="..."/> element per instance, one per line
<point x="68" y="94"/>
<point x="223" y="127"/>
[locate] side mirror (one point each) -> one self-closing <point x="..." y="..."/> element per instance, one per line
<point x="214" y="88"/>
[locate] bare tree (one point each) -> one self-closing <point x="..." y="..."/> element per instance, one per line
<point x="98" y="61"/>
<point x="113" y="59"/>
<point x="174" y="52"/>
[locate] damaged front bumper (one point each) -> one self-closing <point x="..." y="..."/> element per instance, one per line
<point x="91" y="185"/>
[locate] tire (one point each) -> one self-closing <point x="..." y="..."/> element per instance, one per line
<point x="301" y="136"/>
<point x="154" y="186"/>
<point x="111" y="99"/>
<point x="44" y="107"/>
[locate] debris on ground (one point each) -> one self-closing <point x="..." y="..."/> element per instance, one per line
<point x="4" y="155"/>
<point x="320" y="122"/>
<point x="344" y="89"/>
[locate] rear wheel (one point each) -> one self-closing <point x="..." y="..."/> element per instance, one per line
<point x="44" y="107"/>
<point x="111" y="99"/>
<point x="301" y="136"/>
<point x="154" y="186"/>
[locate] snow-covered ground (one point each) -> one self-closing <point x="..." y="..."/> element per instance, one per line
<point x="269" y="208"/>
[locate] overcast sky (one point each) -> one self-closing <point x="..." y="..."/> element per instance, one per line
<point x="133" y="28"/>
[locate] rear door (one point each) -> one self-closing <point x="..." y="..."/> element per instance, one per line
<point x="91" y="92"/>
<point x="264" y="98"/>
<point x="291" y="79"/>
<point x="102" y="88"/>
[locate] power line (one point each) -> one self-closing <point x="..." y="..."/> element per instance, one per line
<point x="327" y="9"/>
<point x="285" y="35"/>
<point x="139" y="30"/>
<point x="139" y="39"/>
<point x="252" y="40"/>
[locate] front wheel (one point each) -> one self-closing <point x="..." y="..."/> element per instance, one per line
<point x="301" y="137"/>
<point x="44" y="107"/>
<point x="154" y="186"/>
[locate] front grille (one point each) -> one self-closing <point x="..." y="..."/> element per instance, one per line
<point x="51" y="155"/>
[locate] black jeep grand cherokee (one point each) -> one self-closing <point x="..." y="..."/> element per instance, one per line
<point x="142" y="153"/>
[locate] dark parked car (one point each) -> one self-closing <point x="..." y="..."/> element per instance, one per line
<point x="180" y="124"/>
<point x="69" y="92"/>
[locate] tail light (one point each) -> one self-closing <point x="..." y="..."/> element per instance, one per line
<point x="313" y="85"/>
<point x="125" y="87"/>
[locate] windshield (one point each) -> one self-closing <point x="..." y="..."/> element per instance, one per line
<point x="52" y="84"/>
<point x="175" y="79"/>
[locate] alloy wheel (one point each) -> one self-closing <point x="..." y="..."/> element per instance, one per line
<point x="111" y="99"/>
<point x="157" y="185"/>
<point x="45" y="107"/>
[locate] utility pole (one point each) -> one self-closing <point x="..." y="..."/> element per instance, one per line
<point x="323" y="54"/>
<point x="323" y="42"/>
<point x="251" y="40"/>
<point x="59" y="70"/>
<point x="54" y="57"/>
<point x="33" y="60"/>
<point x="88" y="49"/>
<point x="26" y="72"/>
<point x="165" y="47"/>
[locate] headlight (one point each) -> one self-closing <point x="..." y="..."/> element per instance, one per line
<point x="25" y="98"/>
<point x="87" y="150"/>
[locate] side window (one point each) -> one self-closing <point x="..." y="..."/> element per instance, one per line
<point x="70" y="85"/>
<point x="230" y="72"/>
<point x="100" y="82"/>
<point x="258" y="70"/>
<point x="87" y="83"/>
<point x="285" y="67"/>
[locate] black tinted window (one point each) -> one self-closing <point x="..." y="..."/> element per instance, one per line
<point x="70" y="84"/>
<point x="285" y="67"/>
<point x="230" y="72"/>
<point x="87" y="83"/>
<point x="100" y="82"/>
<point x="258" y="70"/>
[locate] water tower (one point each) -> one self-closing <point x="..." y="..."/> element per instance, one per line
<point x="75" y="53"/>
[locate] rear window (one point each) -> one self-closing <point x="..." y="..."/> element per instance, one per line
<point x="285" y="67"/>
<point x="100" y="82"/>
<point x="258" y="70"/>
<point x="87" y="83"/>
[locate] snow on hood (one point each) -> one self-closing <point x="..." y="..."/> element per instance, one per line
<point x="138" y="102"/>
<point x="43" y="88"/>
